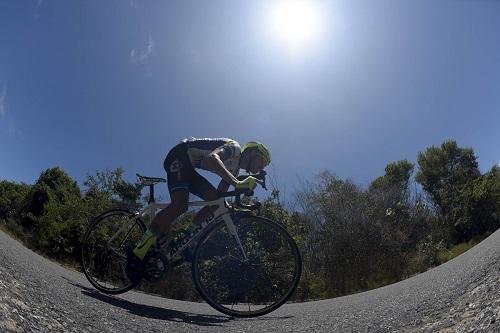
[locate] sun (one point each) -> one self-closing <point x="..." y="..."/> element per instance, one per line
<point x="295" y="22"/>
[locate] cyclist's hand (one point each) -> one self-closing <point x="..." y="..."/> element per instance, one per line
<point x="248" y="183"/>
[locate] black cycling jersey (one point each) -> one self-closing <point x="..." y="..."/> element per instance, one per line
<point x="182" y="160"/>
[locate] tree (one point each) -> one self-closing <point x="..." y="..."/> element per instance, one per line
<point x="390" y="192"/>
<point x="108" y="188"/>
<point x="53" y="185"/>
<point x="450" y="175"/>
<point x="397" y="174"/>
<point x="13" y="202"/>
<point x="444" y="170"/>
<point x="479" y="204"/>
<point x="53" y="193"/>
<point x="494" y="175"/>
<point x="13" y="198"/>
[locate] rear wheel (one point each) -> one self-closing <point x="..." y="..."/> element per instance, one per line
<point x="104" y="248"/>
<point x="251" y="286"/>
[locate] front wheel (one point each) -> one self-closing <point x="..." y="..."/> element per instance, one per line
<point x="104" y="258"/>
<point x="247" y="272"/>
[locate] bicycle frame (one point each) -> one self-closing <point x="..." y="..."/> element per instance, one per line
<point x="235" y="267"/>
<point x="221" y="211"/>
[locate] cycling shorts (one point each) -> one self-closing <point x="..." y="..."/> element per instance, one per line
<point x="181" y="175"/>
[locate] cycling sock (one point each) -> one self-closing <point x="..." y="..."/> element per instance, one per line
<point x="142" y="248"/>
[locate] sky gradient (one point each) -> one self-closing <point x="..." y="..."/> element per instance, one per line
<point x="89" y="85"/>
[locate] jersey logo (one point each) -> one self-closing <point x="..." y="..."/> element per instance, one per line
<point x="176" y="167"/>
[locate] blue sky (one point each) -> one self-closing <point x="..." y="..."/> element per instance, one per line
<point x="89" y="85"/>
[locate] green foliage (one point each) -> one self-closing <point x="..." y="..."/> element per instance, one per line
<point x="273" y="209"/>
<point x="476" y="207"/>
<point x="108" y="186"/>
<point x="13" y="197"/>
<point x="361" y="239"/>
<point x="61" y="229"/>
<point x="490" y="189"/>
<point x="397" y="174"/>
<point x="52" y="215"/>
<point x="311" y="287"/>
<point x="52" y="185"/>
<point x="450" y="175"/>
<point x="444" y="170"/>
<point x="456" y="250"/>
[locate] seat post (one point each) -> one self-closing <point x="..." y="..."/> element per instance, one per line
<point x="151" y="193"/>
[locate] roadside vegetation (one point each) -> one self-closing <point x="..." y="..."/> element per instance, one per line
<point x="352" y="238"/>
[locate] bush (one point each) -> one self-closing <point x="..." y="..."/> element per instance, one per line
<point x="456" y="250"/>
<point x="13" y="197"/>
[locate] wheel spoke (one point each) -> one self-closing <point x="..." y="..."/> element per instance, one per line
<point x="103" y="250"/>
<point x="249" y="287"/>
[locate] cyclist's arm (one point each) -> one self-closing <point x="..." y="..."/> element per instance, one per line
<point x="223" y="186"/>
<point x="214" y="164"/>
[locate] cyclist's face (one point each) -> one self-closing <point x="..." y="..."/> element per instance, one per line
<point x="257" y="163"/>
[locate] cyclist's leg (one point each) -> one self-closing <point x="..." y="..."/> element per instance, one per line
<point x="205" y="190"/>
<point x="179" y="174"/>
<point x="161" y="225"/>
<point x="178" y="206"/>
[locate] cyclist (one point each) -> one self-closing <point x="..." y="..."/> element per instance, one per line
<point x="222" y="156"/>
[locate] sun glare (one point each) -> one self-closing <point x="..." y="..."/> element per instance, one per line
<point x="295" y="22"/>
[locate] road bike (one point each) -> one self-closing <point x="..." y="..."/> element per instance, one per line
<point x="242" y="264"/>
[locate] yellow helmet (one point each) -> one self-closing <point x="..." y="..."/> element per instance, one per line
<point x="261" y="148"/>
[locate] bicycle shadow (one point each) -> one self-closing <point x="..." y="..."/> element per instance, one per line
<point x="154" y="312"/>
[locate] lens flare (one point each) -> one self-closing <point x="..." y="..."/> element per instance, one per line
<point x="295" y="22"/>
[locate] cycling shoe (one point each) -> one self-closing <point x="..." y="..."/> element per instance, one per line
<point x="135" y="266"/>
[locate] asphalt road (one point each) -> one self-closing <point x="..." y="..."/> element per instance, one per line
<point x="37" y="295"/>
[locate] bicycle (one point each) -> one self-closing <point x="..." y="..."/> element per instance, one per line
<point x="243" y="265"/>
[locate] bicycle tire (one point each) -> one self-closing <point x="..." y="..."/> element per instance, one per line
<point x="99" y="257"/>
<point x="221" y="277"/>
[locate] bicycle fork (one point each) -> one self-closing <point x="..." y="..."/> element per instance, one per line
<point x="234" y="232"/>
